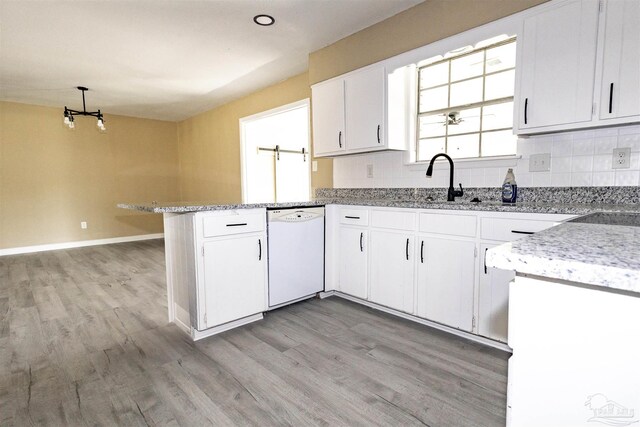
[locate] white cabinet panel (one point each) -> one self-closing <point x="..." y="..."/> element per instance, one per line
<point x="620" y="90"/>
<point x="557" y="69"/>
<point x="510" y="229"/>
<point x="395" y="220"/>
<point x="493" y="300"/>
<point x="446" y="271"/>
<point x="392" y="269"/>
<point x="328" y="118"/>
<point x="364" y="112"/>
<point x="234" y="278"/>
<point x="222" y="225"/>
<point x="453" y="225"/>
<point x="352" y="261"/>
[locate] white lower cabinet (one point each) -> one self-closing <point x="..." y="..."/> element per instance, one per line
<point x="446" y="273"/>
<point x="429" y="263"/>
<point x="234" y="279"/>
<point x="392" y="270"/>
<point x="493" y="299"/>
<point x="352" y="261"/>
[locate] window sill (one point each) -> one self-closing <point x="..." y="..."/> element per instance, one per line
<point x="484" y="162"/>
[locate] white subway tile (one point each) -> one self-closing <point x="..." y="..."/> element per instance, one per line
<point x="565" y="136"/>
<point x="632" y="141"/>
<point x="582" y="147"/>
<point x="603" y="132"/>
<point x="523" y="180"/>
<point x="605" y="145"/>
<point x="602" y="162"/>
<point x="562" y="148"/>
<point x="634" y="163"/>
<point x="603" y="179"/>
<point x="561" y="164"/>
<point x="628" y="130"/>
<point x="541" y="179"/>
<point x="582" y="164"/>
<point x="561" y="179"/>
<point x="627" y="177"/>
<point x="581" y="179"/>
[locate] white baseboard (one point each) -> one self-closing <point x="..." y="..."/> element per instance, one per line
<point x="78" y="244"/>
<point x="454" y="331"/>
<point x="198" y="335"/>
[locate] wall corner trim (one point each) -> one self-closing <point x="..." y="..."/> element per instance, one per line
<point x="78" y="244"/>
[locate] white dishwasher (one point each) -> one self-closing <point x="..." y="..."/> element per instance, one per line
<point x="295" y="253"/>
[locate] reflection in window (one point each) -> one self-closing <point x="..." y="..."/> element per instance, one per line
<point x="465" y="103"/>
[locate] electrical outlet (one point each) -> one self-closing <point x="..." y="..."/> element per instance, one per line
<point x="369" y="171"/>
<point x="314" y="166"/>
<point x="540" y="162"/>
<point x="83" y="225"/>
<point x="621" y="158"/>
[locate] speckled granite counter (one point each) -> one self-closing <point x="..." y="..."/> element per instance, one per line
<point x="594" y="254"/>
<point x="527" y="207"/>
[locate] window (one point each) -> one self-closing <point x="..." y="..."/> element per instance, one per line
<point x="275" y="161"/>
<point x="465" y="103"/>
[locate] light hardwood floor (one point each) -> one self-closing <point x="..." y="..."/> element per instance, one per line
<point x="84" y="340"/>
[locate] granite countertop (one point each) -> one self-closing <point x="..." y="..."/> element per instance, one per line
<point x="491" y="206"/>
<point x="594" y="254"/>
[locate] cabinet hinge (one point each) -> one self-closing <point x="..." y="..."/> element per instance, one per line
<point x="600" y="6"/>
<point x="205" y="319"/>
<point x="473" y="323"/>
<point x="203" y="251"/>
<point x="593" y="109"/>
<point x="475" y="252"/>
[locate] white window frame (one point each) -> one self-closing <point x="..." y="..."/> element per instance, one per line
<point x="480" y="104"/>
<point x="510" y="25"/>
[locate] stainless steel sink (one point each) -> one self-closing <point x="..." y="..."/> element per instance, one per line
<point x="610" y="218"/>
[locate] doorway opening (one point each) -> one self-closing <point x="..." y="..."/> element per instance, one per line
<point x="275" y="155"/>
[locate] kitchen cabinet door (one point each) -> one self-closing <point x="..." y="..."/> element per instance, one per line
<point x="392" y="270"/>
<point x="493" y="299"/>
<point x="234" y="278"/>
<point x="352" y="261"/>
<point x="557" y="66"/>
<point x="620" y="90"/>
<point x="328" y="118"/>
<point x="364" y="110"/>
<point x="446" y="281"/>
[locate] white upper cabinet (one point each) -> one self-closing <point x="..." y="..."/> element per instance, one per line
<point x="557" y="68"/>
<point x="350" y="114"/>
<point x="328" y="118"/>
<point x="620" y="89"/>
<point x="579" y="66"/>
<point x="364" y="112"/>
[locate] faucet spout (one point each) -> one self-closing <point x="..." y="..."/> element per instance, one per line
<point x="452" y="192"/>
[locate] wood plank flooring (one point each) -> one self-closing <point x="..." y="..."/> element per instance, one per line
<point x="84" y="340"/>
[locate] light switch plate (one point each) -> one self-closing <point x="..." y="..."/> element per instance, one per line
<point x="540" y="162"/>
<point x="369" y="171"/>
<point x="314" y="166"/>
<point x="621" y="158"/>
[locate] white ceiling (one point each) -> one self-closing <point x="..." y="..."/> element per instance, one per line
<point x="165" y="59"/>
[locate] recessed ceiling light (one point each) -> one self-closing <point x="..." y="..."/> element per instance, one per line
<point x="264" y="20"/>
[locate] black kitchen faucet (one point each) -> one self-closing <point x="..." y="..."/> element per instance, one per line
<point x="452" y="193"/>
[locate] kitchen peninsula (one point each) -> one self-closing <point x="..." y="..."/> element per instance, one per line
<point x="574" y="322"/>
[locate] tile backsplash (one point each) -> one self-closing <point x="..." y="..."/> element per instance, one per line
<point x="578" y="159"/>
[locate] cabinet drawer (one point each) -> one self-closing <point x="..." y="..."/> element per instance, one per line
<point x="453" y="225"/>
<point x="354" y="217"/>
<point x="232" y="224"/>
<point x="395" y="220"/>
<point x="507" y="230"/>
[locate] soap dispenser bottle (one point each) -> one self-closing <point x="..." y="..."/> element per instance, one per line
<point x="509" y="188"/>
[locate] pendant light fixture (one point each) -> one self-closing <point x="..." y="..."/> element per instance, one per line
<point x="69" y="113"/>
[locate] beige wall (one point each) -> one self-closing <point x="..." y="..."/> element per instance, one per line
<point x="209" y="144"/>
<point x="51" y="178"/>
<point x="425" y="23"/>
